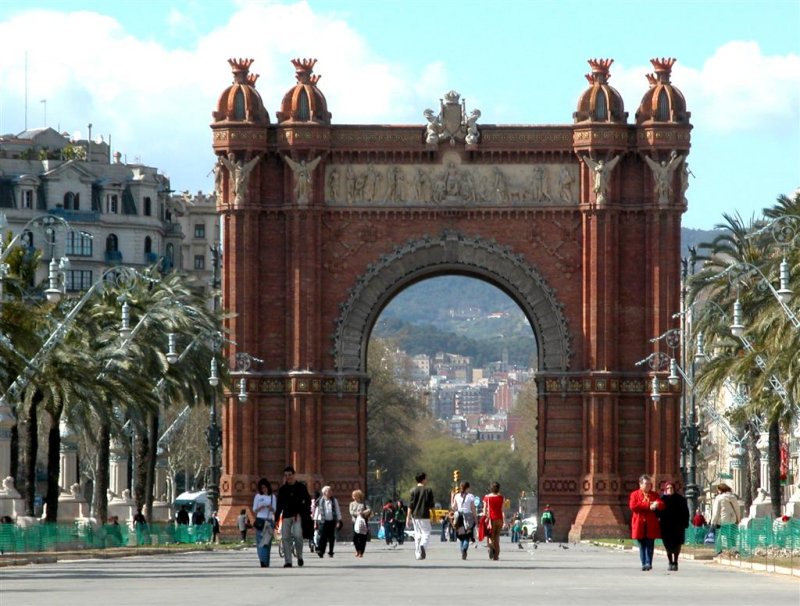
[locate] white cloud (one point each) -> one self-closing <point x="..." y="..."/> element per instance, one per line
<point x="738" y="88"/>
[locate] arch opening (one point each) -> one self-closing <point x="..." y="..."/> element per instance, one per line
<point x="451" y="362"/>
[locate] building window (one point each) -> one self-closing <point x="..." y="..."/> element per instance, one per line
<point x="112" y="204"/>
<point x="303" y="109"/>
<point x="200" y="230"/>
<point x="78" y="279"/>
<point x="148" y="245"/>
<point x="601" y="107"/>
<point x="148" y="206"/>
<point x="238" y="105"/>
<point x="27" y="198"/>
<point x="78" y="245"/>
<point x="112" y="243"/>
<point x="199" y="262"/>
<point x="662" y="109"/>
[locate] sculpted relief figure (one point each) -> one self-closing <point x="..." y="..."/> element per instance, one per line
<point x="302" y="178"/>
<point x="350" y="185"/>
<point x="467" y="187"/>
<point x="473" y="136"/>
<point x="239" y="175"/>
<point x="217" y="170"/>
<point x="539" y="184"/>
<point x="662" y="173"/>
<point x="334" y="185"/>
<point x="565" y="181"/>
<point x="499" y="185"/>
<point x="685" y="172"/>
<point x="394" y="183"/>
<point x="422" y="186"/>
<point x="451" y="180"/>
<point x="602" y="173"/>
<point x="371" y="184"/>
<point x="432" y="129"/>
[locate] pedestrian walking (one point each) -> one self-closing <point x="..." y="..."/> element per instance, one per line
<point x="264" y="505"/>
<point x="725" y="517"/>
<point x="674" y="520"/>
<point x="243" y="524"/>
<point x="213" y="521"/>
<point x="294" y="504"/>
<point x="361" y="532"/>
<point x="400" y="513"/>
<point x="419" y="514"/>
<point x="327" y="521"/>
<point x="387" y="521"/>
<point x="643" y="503"/>
<point x="548" y="519"/>
<point x="464" y="519"/>
<point x="493" y="508"/>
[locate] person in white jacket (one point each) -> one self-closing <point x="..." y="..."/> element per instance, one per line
<point x="725" y="517"/>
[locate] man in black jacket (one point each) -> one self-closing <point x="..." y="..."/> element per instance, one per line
<point x="294" y="503"/>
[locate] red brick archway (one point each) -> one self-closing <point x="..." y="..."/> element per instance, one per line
<point x="580" y="224"/>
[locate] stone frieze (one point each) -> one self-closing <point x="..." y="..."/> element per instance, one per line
<point x="451" y="184"/>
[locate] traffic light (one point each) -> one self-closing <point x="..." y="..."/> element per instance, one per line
<point x="456" y="476"/>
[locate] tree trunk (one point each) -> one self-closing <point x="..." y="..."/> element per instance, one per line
<point x="774" y="454"/>
<point x="53" y="464"/>
<point x="14" y="471"/>
<point x="101" y="477"/>
<point x="152" y="442"/>
<point x="31" y="452"/>
<point x="753" y="471"/>
<point x="140" y="444"/>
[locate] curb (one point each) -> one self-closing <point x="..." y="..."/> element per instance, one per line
<point x="12" y="559"/>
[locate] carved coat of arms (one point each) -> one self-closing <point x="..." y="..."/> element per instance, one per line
<point x="452" y="122"/>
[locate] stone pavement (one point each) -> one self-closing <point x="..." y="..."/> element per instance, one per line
<point x="580" y="574"/>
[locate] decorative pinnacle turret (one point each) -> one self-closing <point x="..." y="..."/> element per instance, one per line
<point x="251" y="79"/>
<point x="663" y="68"/>
<point x="599" y="73"/>
<point x="240" y="69"/>
<point x="304" y="69"/>
<point x="651" y="80"/>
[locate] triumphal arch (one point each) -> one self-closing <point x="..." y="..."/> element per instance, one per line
<point x="579" y="223"/>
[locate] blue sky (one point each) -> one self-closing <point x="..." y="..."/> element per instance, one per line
<point x="148" y="73"/>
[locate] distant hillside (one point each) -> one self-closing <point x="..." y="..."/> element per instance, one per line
<point x="694" y="237"/>
<point x="470" y="317"/>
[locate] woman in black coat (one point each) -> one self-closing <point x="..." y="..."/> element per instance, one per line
<point x="674" y="520"/>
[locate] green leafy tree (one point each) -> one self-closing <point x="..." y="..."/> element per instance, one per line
<point x="394" y="410"/>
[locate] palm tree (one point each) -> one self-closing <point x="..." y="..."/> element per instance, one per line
<point x="770" y="363"/>
<point x="165" y="305"/>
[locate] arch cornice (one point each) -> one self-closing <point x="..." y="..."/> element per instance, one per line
<point x="450" y="252"/>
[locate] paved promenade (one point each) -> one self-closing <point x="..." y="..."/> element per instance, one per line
<point x="581" y="574"/>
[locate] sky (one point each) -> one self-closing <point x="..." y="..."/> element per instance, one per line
<point x="147" y="74"/>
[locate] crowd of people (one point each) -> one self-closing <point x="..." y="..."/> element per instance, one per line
<point x="293" y="516"/>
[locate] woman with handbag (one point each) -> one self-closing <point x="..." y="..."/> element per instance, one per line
<point x="328" y="518"/>
<point x="264" y="507"/>
<point x="465" y="515"/>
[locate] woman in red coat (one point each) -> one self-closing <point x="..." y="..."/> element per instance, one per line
<point x="645" y="527"/>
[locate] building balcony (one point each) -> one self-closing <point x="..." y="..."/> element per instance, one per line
<point x="150" y="258"/>
<point x="113" y="257"/>
<point x="76" y="216"/>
